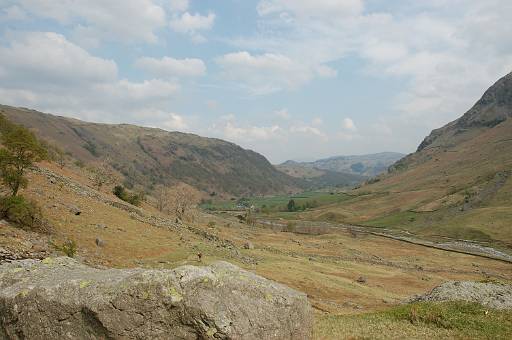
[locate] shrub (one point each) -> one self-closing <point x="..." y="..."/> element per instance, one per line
<point x="291" y="206"/>
<point x="69" y="248"/>
<point x="79" y="163"/>
<point x="134" y="199"/>
<point x="24" y="213"/>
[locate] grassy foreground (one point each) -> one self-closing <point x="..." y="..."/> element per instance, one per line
<point x="448" y="320"/>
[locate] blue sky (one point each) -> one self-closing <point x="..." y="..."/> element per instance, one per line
<point x="291" y="79"/>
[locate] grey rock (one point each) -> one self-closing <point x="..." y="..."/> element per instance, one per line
<point x="492" y="295"/>
<point x="100" y="242"/>
<point x="248" y="245"/>
<point x="361" y="279"/>
<point x="75" y="210"/>
<point x="61" y="298"/>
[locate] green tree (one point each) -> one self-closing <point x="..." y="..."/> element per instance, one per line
<point x="20" y="150"/>
<point x="291" y="206"/>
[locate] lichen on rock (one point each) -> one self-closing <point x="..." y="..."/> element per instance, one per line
<point x="62" y="298"/>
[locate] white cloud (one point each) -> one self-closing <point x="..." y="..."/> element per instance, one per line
<point x="266" y="73"/>
<point x="179" y="5"/>
<point x="13" y="13"/>
<point x="335" y="9"/>
<point x="175" y="122"/>
<point x="250" y="133"/>
<point x="168" y="67"/>
<point x="48" y="59"/>
<point x="146" y="90"/>
<point x="64" y="78"/>
<point x="192" y="24"/>
<point x="317" y="121"/>
<point x="283" y="114"/>
<point x="348" y="124"/>
<point x="95" y="20"/>
<point x="309" y="130"/>
<point x="229" y="117"/>
<point x="446" y="53"/>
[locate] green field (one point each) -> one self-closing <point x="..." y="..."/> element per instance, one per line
<point x="303" y="201"/>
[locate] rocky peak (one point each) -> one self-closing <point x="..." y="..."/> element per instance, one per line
<point x="493" y="108"/>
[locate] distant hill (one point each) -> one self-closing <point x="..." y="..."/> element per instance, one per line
<point x="458" y="183"/>
<point x="312" y="178"/>
<point x="341" y="170"/>
<point x="148" y="156"/>
<point x="363" y="165"/>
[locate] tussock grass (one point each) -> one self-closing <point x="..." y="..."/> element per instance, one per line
<point x="426" y="320"/>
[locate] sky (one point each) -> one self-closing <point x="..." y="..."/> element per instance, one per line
<point x="291" y="79"/>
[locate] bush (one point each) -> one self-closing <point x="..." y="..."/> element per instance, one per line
<point x="69" y="248"/>
<point x="134" y="199"/>
<point x="22" y="212"/>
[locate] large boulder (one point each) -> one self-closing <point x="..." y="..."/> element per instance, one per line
<point x="492" y="295"/>
<point x="61" y="298"/>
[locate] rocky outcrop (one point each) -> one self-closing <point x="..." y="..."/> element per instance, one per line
<point x="61" y="298"/>
<point x="492" y="295"/>
<point x="493" y="108"/>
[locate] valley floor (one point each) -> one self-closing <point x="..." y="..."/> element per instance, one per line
<point x="346" y="275"/>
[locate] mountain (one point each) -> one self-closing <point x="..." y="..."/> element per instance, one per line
<point x="363" y="165"/>
<point x="148" y="156"/>
<point x="313" y="178"/>
<point x="458" y="183"/>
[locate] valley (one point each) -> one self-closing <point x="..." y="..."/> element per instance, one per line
<point x="441" y="214"/>
<point x="255" y="170"/>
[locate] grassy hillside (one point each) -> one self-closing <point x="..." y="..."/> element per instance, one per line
<point x="457" y="184"/>
<point x="149" y="156"/>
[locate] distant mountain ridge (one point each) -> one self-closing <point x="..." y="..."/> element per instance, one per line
<point x="362" y="165"/>
<point x="148" y="156"/>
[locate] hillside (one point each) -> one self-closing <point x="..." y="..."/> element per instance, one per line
<point x="314" y="178"/>
<point x="362" y="165"/>
<point x="457" y="184"/>
<point x="327" y="267"/>
<point x="147" y="156"/>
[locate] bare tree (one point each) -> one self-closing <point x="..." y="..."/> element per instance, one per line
<point x="161" y="195"/>
<point x="176" y="200"/>
<point x="101" y="175"/>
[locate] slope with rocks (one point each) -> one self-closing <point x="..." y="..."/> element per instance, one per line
<point x="458" y="183"/>
<point x="148" y="156"/>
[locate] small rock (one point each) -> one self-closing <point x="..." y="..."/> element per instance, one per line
<point x="100" y="242"/>
<point x="361" y="279"/>
<point x="248" y="245"/>
<point x="75" y="210"/>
